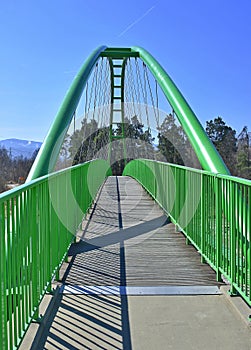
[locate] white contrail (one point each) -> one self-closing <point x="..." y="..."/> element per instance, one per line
<point x="137" y="21"/>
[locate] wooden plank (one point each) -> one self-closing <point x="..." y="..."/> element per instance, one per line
<point x="130" y="242"/>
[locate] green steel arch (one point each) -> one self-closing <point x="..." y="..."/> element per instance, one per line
<point x="207" y="154"/>
<point x="47" y="156"/>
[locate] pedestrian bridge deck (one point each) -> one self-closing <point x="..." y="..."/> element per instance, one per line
<point x="133" y="283"/>
<point x="129" y="241"/>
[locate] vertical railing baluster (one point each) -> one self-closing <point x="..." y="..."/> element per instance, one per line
<point x="3" y="269"/>
<point x="224" y="217"/>
<point x="18" y="265"/>
<point x="218" y="210"/>
<point x="233" y="238"/>
<point x="203" y="216"/>
<point x="9" y="274"/>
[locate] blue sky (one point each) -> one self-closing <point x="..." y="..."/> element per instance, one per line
<point x="204" y="46"/>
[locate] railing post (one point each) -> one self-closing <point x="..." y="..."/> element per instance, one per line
<point x="218" y="214"/>
<point x="3" y="269"/>
<point x="249" y="248"/>
<point x="203" y="223"/>
<point x="35" y="250"/>
<point x="176" y="195"/>
<point x="36" y="314"/>
<point x="233" y="204"/>
<point x="57" y="275"/>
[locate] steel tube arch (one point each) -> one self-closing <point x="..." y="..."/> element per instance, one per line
<point x="208" y="156"/>
<point x="47" y="156"/>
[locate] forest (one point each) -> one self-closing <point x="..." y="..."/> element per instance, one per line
<point x="13" y="170"/>
<point x="170" y="144"/>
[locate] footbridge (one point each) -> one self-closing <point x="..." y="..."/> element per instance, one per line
<point x="130" y="232"/>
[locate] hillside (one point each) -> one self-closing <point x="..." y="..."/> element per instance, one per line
<point x="17" y="147"/>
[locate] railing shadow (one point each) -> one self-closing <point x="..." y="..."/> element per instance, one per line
<point x="119" y="236"/>
<point x="84" y="322"/>
<point x="90" y="320"/>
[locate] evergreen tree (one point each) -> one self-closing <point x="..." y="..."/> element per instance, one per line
<point x="174" y="144"/>
<point x="5" y="167"/>
<point x="138" y="143"/>
<point x="14" y="169"/>
<point x="225" y="141"/>
<point x="90" y="142"/>
<point x="169" y="135"/>
<point x="243" y="159"/>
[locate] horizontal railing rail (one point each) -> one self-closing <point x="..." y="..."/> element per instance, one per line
<point x="38" y="222"/>
<point x="212" y="210"/>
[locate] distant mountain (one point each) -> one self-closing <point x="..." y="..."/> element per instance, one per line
<point x="19" y="148"/>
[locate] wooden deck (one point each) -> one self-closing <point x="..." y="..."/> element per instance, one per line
<point x="128" y="241"/>
<point x="129" y="282"/>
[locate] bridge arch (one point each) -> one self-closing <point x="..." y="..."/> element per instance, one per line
<point x="207" y="154"/>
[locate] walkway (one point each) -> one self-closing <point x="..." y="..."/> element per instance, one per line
<point x="133" y="283"/>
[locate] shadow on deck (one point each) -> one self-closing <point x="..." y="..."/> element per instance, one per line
<point x="126" y="248"/>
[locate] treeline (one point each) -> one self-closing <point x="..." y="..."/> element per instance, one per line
<point x="90" y="142"/>
<point x="15" y="169"/>
<point x="234" y="148"/>
<point x="169" y="144"/>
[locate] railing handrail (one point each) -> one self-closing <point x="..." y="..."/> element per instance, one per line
<point x="212" y="210"/>
<point x="16" y="190"/>
<point x="201" y="171"/>
<point x="38" y="222"/>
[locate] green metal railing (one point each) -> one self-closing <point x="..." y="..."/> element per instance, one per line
<point x="212" y="210"/>
<point x="38" y="222"/>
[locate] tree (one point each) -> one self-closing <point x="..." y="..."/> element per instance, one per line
<point x="20" y="167"/>
<point x="169" y="135"/>
<point x="81" y="138"/>
<point x="91" y="141"/>
<point x="138" y="143"/>
<point x="174" y="145"/>
<point x="243" y="159"/>
<point x="225" y="141"/>
<point x="13" y="169"/>
<point x="92" y="146"/>
<point x="5" y="168"/>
